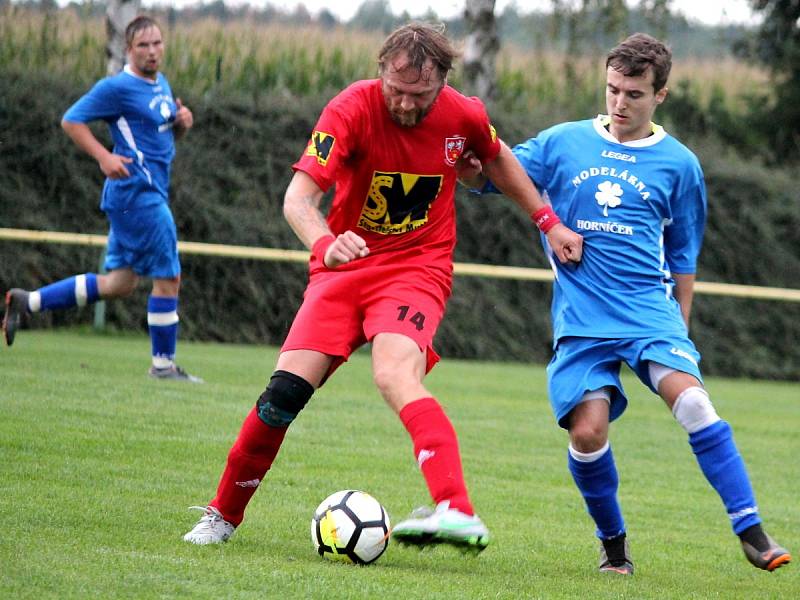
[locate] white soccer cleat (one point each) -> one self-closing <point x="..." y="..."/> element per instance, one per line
<point x="173" y="373"/>
<point x="212" y="528"/>
<point x="444" y="525"/>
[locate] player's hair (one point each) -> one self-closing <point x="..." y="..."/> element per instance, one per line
<point x="639" y="52"/>
<point x="421" y="41"/>
<point x="140" y="23"/>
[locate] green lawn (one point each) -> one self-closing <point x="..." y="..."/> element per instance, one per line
<point x="99" y="464"/>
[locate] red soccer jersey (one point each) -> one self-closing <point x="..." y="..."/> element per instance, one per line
<point x="395" y="185"/>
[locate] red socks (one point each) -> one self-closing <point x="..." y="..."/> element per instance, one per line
<point x="436" y="449"/>
<point x="435" y="446"/>
<point x="248" y="461"/>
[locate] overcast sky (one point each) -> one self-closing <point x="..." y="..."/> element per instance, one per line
<point x="711" y="12"/>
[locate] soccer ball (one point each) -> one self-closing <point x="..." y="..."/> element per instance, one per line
<point x="351" y="526"/>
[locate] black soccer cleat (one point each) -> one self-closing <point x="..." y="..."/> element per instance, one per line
<point x="16" y="306"/>
<point x="762" y="551"/>
<point x="615" y="556"/>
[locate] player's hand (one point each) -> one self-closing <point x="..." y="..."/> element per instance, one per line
<point x="347" y="247"/>
<point x="113" y="166"/>
<point x="184" y="118"/>
<point x="468" y="166"/>
<point x="566" y="244"/>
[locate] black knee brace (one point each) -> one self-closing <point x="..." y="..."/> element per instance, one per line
<point x="284" y="398"/>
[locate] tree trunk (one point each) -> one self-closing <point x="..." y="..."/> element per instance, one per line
<point x="480" y="49"/>
<point x="118" y="14"/>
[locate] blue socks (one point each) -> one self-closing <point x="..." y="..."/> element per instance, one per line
<point x="724" y="468"/>
<point x="597" y="479"/>
<point x="162" y="319"/>
<point x="78" y="290"/>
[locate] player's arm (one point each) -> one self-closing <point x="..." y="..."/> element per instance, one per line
<point x="508" y="176"/>
<point x="683" y="238"/>
<point x="684" y="293"/>
<point x="184" y="119"/>
<point x="301" y="207"/>
<point x="112" y="165"/>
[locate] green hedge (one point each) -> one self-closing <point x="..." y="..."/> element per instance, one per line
<point x="228" y="184"/>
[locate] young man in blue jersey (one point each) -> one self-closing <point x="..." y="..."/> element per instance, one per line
<point x="638" y="197"/>
<point x="144" y="121"/>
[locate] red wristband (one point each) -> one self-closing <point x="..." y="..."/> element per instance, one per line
<point x="320" y="247"/>
<point x="545" y="219"/>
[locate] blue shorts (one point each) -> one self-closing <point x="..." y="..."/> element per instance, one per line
<point x="582" y="365"/>
<point x="144" y="240"/>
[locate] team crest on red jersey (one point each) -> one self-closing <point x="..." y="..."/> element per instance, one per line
<point x="453" y="149"/>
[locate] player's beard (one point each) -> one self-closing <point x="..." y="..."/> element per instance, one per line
<point x="150" y="68"/>
<point x="409" y="118"/>
<point x="406" y="118"/>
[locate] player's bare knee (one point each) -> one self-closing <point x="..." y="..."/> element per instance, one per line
<point x="588" y="421"/>
<point x="127" y="288"/>
<point x="693" y="409"/>
<point x="117" y="284"/>
<point x="588" y="436"/>
<point x="388" y="380"/>
<point x="284" y="398"/>
<point x="169" y="287"/>
<point x="587" y="439"/>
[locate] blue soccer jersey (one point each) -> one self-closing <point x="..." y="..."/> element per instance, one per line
<point x="140" y="114"/>
<point x="641" y="208"/>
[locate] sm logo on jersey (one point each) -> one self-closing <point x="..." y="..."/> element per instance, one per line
<point x="320" y="146"/>
<point x="398" y="202"/>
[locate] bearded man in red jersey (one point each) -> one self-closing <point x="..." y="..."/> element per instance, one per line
<point x="381" y="271"/>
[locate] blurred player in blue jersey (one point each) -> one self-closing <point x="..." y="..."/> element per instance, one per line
<point x="144" y="120"/>
<point x="638" y="197"/>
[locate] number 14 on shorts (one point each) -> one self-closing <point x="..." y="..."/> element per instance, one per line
<point x="418" y="319"/>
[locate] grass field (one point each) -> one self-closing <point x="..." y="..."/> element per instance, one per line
<point x="99" y="464"/>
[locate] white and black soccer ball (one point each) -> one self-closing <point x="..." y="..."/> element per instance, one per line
<point x="351" y="526"/>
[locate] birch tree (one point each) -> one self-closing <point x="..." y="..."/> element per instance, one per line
<point x="118" y="14"/>
<point x="480" y="49"/>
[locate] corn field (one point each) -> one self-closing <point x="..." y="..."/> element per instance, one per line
<point x="258" y="59"/>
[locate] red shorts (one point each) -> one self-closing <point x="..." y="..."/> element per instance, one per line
<point x="342" y="310"/>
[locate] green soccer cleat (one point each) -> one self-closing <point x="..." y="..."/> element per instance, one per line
<point x="615" y="556"/>
<point x="443" y="525"/>
<point x="16" y="306"/>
